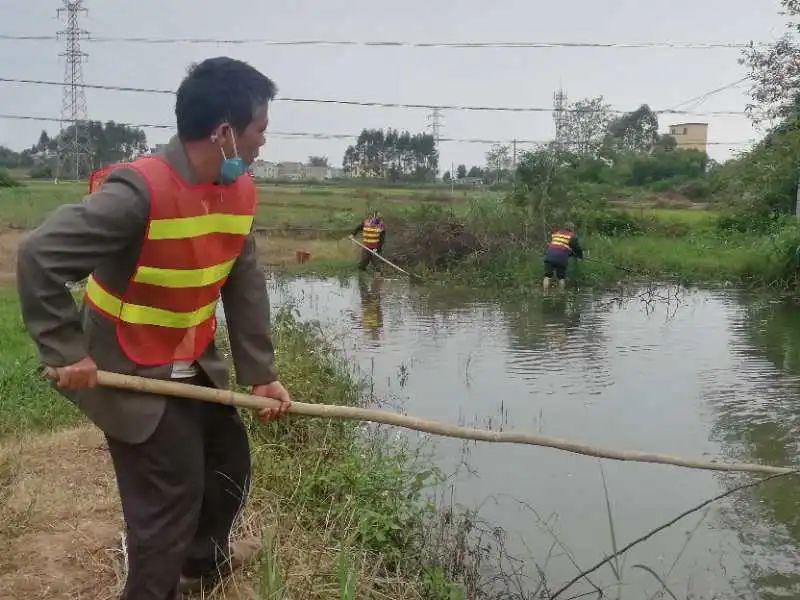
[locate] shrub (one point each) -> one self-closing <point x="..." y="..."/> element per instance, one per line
<point x="6" y="180"/>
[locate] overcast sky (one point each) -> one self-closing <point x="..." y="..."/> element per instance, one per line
<point x="508" y="77"/>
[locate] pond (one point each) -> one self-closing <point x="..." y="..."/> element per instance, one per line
<point x="711" y="373"/>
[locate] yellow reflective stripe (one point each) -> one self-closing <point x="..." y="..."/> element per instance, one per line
<point x="146" y="315"/>
<point x="183" y="278"/>
<point x="371" y="234"/>
<point x="102" y="299"/>
<point x="189" y="227"/>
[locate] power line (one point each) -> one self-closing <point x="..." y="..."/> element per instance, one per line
<point x="370" y="103"/>
<point x="697" y="100"/>
<point x="405" y="44"/>
<point x="335" y="136"/>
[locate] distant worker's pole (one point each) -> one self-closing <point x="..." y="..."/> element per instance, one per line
<point x="797" y="202"/>
<point x="376" y="255"/>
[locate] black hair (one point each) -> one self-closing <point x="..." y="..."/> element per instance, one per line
<point x="217" y="90"/>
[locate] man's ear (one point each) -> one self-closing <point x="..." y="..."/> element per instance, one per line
<point x="221" y="132"/>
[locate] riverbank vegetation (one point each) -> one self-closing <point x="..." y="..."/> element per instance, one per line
<point x="346" y="509"/>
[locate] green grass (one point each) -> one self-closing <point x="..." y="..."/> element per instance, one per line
<point x="27" y="206"/>
<point x="27" y="400"/>
<point x="353" y="492"/>
<point x="280" y="205"/>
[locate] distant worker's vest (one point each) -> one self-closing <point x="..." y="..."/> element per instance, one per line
<point x="194" y="235"/>
<point x="371" y="234"/>
<point x="560" y="242"/>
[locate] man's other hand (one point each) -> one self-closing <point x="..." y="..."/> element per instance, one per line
<point x="77" y="376"/>
<point x="276" y="391"/>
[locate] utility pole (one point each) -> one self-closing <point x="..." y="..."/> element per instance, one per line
<point x="73" y="151"/>
<point x="514" y="161"/>
<point x="435" y="124"/>
<point x="560" y="115"/>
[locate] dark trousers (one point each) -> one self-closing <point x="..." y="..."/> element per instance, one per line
<point x="181" y="490"/>
<point x="367" y="258"/>
<point x="559" y="268"/>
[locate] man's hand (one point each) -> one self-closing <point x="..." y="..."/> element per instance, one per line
<point x="77" y="376"/>
<point x="278" y="392"/>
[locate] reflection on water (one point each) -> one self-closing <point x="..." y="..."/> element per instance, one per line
<point x="719" y="377"/>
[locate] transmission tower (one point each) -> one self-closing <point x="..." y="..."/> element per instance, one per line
<point x="74" y="151"/>
<point x="559" y="115"/>
<point x="436" y="122"/>
<point x="436" y="119"/>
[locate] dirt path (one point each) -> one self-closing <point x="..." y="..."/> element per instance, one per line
<point x="60" y="526"/>
<point x="9" y="242"/>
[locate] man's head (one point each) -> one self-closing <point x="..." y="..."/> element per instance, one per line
<point x="569" y="226"/>
<point x="225" y="101"/>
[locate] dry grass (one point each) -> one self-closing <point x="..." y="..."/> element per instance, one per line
<point x="9" y="242"/>
<point x="60" y="523"/>
<point x="61" y="531"/>
<point x="281" y="251"/>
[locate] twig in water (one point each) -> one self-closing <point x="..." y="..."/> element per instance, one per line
<point x="615" y="563"/>
<point x="661" y="581"/>
<point x="652" y="532"/>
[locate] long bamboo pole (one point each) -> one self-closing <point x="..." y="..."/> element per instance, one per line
<point x="327" y="411"/>
<point x="387" y="261"/>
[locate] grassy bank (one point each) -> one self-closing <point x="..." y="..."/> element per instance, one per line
<point x="321" y="209"/>
<point x="628" y="239"/>
<point x="498" y="244"/>
<point x="344" y="507"/>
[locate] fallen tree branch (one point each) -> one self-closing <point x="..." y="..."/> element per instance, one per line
<point x="326" y="411"/>
<point x="652" y="532"/>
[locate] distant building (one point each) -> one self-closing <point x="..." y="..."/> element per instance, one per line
<point x="315" y="173"/>
<point x="473" y="181"/>
<point x="290" y="171"/>
<point x="690" y="136"/>
<point x="293" y="171"/>
<point x="263" y="169"/>
<point x="335" y="173"/>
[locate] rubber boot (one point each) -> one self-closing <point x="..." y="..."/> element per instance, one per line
<point x="546" y="284"/>
<point x="562" y="284"/>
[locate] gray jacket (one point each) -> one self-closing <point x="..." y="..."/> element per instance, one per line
<point x="104" y="235"/>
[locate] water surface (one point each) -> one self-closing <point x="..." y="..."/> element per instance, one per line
<point x="716" y="375"/>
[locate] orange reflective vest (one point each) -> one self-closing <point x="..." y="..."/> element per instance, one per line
<point x="194" y="235"/>
<point x="560" y="241"/>
<point x="371" y="233"/>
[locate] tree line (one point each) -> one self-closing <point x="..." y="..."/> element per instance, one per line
<point x="392" y="155"/>
<point x="108" y="142"/>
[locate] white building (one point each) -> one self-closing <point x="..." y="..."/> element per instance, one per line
<point x="263" y="169"/>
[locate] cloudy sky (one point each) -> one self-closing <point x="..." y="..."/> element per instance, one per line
<point x="661" y="77"/>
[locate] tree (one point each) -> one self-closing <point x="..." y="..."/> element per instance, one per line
<point x="461" y="171"/>
<point x="666" y="142"/>
<point x="775" y="71"/>
<point x="44" y="142"/>
<point x="475" y="172"/>
<point x="318" y="161"/>
<point x="498" y="162"/>
<point x="634" y="132"/>
<point x="446" y="176"/>
<point x="110" y="142"/>
<point x="585" y="126"/>
<point x="392" y="155"/>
